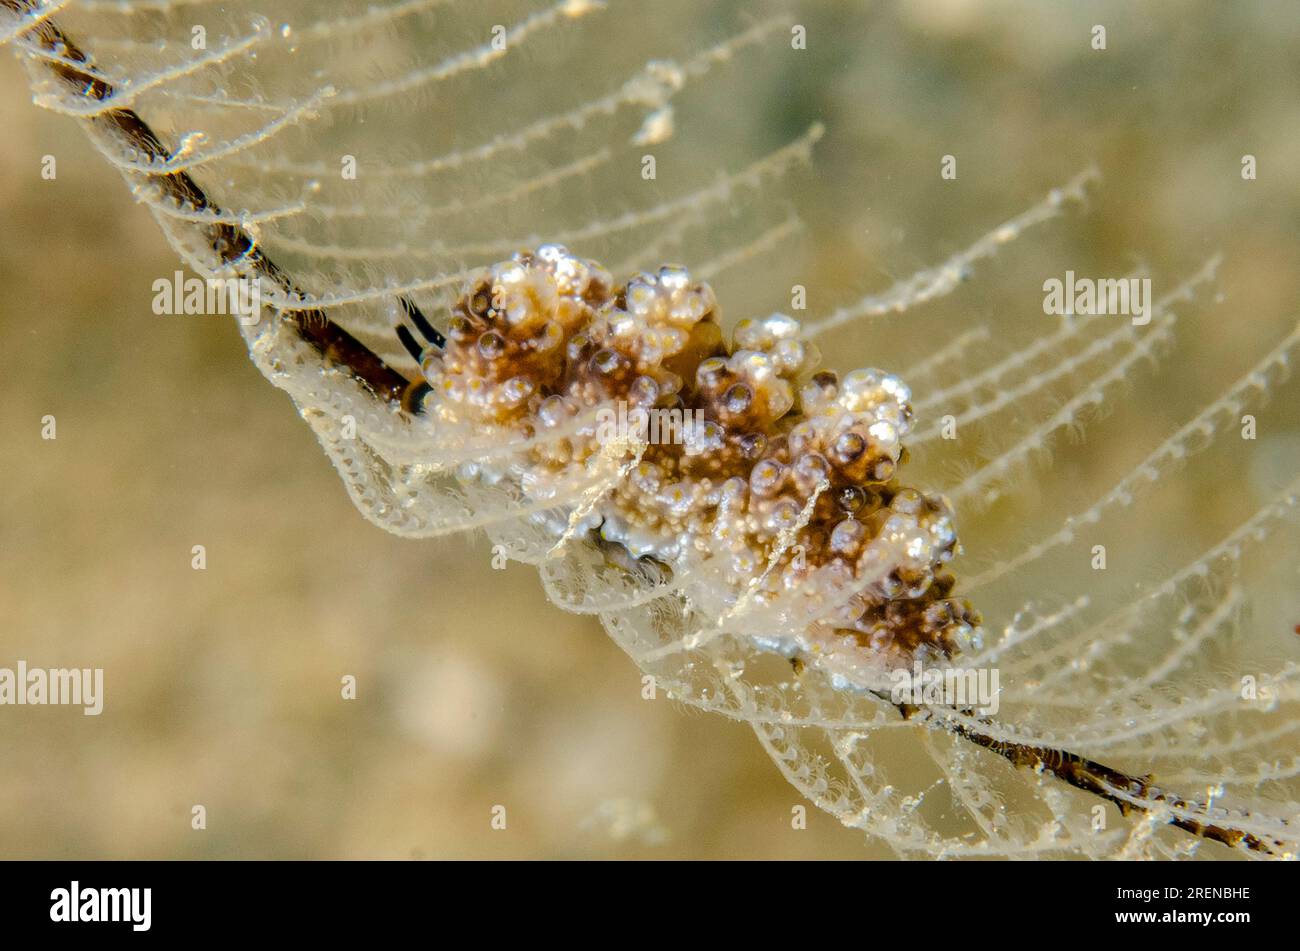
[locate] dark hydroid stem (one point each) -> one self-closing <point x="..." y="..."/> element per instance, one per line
<point x="1101" y="780"/>
<point x="231" y="243"/>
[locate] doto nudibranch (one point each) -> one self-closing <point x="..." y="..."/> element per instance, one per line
<point x="782" y="483"/>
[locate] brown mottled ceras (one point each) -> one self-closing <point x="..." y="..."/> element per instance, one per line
<point x="536" y="342"/>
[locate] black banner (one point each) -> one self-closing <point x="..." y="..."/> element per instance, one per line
<point x="91" y="900"/>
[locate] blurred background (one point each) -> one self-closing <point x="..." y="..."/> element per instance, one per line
<point x="223" y="685"/>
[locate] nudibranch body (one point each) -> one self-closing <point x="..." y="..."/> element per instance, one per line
<point x="781" y="483"/>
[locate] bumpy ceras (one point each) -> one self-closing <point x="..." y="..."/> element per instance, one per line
<point x="537" y="342"/>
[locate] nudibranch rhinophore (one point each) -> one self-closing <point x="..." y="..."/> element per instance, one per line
<point x="783" y="480"/>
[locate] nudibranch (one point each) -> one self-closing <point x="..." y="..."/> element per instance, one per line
<point x="786" y="479"/>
